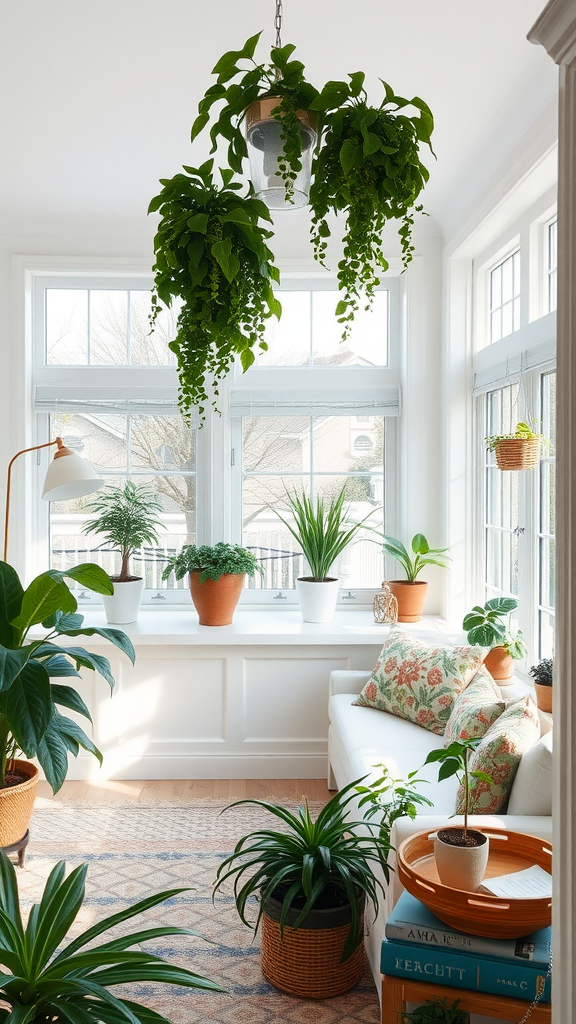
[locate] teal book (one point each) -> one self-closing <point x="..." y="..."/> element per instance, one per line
<point x="411" y="921"/>
<point x="442" y="966"/>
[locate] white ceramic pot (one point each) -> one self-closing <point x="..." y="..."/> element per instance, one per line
<point x="317" y="599"/>
<point x="124" y="603"/>
<point x="461" y="867"/>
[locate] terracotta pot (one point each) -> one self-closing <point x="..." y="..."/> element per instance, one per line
<point x="461" y="867"/>
<point x="500" y="664"/>
<point x="16" y="803"/>
<point x="410" y="597"/>
<point x="543" y="696"/>
<point x="215" y="600"/>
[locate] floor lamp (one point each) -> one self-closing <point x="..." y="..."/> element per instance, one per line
<point x="68" y="476"/>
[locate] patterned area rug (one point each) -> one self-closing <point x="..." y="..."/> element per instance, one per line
<point x="134" y="851"/>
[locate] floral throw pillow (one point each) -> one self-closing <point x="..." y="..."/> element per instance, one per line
<point x="499" y="754"/>
<point x="419" y="682"/>
<point x="475" y="709"/>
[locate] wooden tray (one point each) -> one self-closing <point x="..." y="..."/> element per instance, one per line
<point x="476" y="913"/>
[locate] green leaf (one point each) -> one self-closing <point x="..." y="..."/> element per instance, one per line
<point x="247" y="357"/>
<point x="52" y="754"/>
<point x="91" y="576"/>
<point x="482" y="636"/>
<point x="45" y="595"/>
<point x="28" y="707"/>
<point x="11" y="594"/>
<point x="502" y="605"/>
<point x="11" y="664"/>
<point x="420" y="545"/>
<point x="115" y="636"/>
<point x="68" y="697"/>
<point x="198" y="222"/>
<point x="350" y="156"/>
<point x="228" y="263"/>
<point x="58" y="666"/>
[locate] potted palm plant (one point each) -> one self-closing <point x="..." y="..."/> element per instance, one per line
<point x="31" y="693"/>
<point x="461" y="853"/>
<point x="216" y="576"/>
<point x="49" y="981"/>
<point x="323" y="530"/>
<point x="489" y="626"/>
<point x="312" y="878"/>
<point x="542" y="674"/>
<point x="127" y="517"/>
<point x="411" y="592"/>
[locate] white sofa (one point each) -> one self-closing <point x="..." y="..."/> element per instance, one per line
<point x="361" y="737"/>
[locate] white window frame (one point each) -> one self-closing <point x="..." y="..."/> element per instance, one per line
<point x="219" y="515"/>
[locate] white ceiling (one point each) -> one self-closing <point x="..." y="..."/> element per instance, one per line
<point x="99" y="95"/>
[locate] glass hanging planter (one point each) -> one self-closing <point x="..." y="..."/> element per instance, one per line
<point x="265" y="148"/>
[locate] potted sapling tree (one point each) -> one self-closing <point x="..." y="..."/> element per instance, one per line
<point x="127" y="517"/>
<point x="461" y="853"/>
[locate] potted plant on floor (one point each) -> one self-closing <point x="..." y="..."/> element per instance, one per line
<point x="312" y="878"/>
<point x="127" y="517"/>
<point x="411" y="592"/>
<point x="489" y="626"/>
<point x="211" y="254"/>
<point x="542" y="674"/>
<point x="322" y="529"/>
<point x="216" y="578"/>
<point x="30" y="700"/>
<point x="46" y="981"/>
<point x="519" y="450"/>
<point x="461" y="853"/>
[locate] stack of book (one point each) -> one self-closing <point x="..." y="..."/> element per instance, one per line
<point x="420" y="947"/>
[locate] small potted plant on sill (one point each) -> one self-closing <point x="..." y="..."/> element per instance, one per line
<point x="488" y="626"/>
<point x="31" y="693"/>
<point x="323" y="530"/>
<point x="48" y="981"/>
<point x="411" y="592"/>
<point x="216" y="577"/>
<point x="312" y="878"/>
<point x="542" y="674"/>
<point x="461" y="853"/>
<point x="127" y="517"/>
<point x="519" y="450"/>
<point x="437" y="1011"/>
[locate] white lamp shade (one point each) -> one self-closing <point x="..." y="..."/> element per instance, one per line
<point x="70" y="476"/>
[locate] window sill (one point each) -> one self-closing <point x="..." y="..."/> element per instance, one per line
<point x="257" y="625"/>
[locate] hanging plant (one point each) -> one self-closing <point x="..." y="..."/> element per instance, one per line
<point x="367" y="167"/>
<point x="519" y="450"/>
<point x="240" y="83"/>
<point x="211" y="253"/>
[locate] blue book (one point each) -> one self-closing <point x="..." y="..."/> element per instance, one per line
<point x="411" y="921"/>
<point x="441" y="966"/>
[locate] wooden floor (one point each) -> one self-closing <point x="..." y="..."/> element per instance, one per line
<point x="186" y="791"/>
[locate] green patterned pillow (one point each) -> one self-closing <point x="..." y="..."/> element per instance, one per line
<point x="419" y="682"/>
<point x="475" y="709"/>
<point x="499" y="754"/>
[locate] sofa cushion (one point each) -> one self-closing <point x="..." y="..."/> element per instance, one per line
<point x="532" y="788"/>
<point x="417" y="681"/>
<point x="499" y="754"/>
<point x="362" y="737"/>
<point x="475" y="709"/>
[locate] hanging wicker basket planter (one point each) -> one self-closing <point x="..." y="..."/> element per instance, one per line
<point x="518" y="453"/>
<point x="305" y="961"/>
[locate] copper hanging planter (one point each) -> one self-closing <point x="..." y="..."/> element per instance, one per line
<point x="265" y="147"/>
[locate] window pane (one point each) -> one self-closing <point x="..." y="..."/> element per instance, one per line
<point x="367" y="344"/>
<point x="276" y="444"/>
<point x="108" y="328"/>
<point x="66" y="327"/>
<point x="505" y="285"/>
<point x="547" y="627"/>
<point x="288" y="339"/>
<point x="547" y="573"/>
<point x="148" y="348"/>
<point x="507" y="280"/>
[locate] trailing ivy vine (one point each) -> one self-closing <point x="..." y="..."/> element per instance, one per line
<point x="240" y="82"/>
<point x="367" y="167"/>
<point x="211" y="252"/>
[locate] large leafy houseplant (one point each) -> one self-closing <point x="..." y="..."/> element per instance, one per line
<point x="240" y="82"/>
<point x="212" y="562"/>
<point x="127" y="517"/>
<point x="211" y="254"/>
<point x="489" y="626"/>
<point x="368" y="168"/>
<point x="30" y="701"/>
<point x="423" y="555"/>
<point x="307" y="863"/>
<point x="45" y="982"/>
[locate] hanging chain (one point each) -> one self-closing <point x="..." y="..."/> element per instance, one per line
<point x="278" y="23"/>
<point x="539" y="994"/>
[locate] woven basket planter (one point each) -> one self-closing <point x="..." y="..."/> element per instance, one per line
<point x="518" y="453"/>
<point x="16" y="803"/>
<point x="305" y="961"/>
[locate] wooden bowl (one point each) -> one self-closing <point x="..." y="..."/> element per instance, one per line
<point x="477" y="913"/>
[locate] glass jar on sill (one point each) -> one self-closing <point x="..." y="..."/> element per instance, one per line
<point x="385" y="605"/>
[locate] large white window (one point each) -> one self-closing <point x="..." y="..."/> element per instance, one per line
<point x="312" y="415"/>
<point x="505" y="297"/>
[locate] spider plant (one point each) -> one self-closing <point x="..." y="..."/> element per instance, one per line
<point x="44" y="981"/>
<point x="322" y="529"/>
<point x="306" y="862"/>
